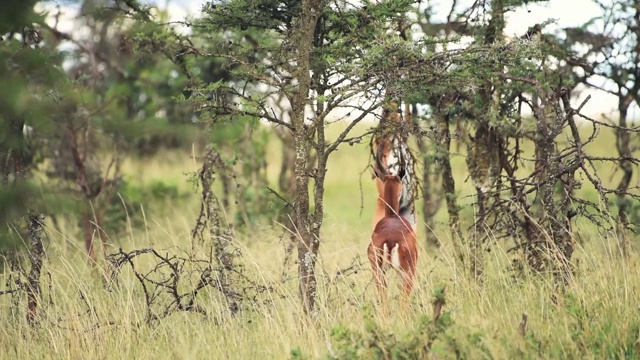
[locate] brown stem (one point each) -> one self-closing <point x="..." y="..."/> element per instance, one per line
<point x="87" y="231"/>
<point x="624" y="150"/>
<point x="36" y="255"/>
<point x="443" y="159"/>
<point x="302" y="45"/>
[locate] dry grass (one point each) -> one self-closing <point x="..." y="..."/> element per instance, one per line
<point x="597" y="317"/>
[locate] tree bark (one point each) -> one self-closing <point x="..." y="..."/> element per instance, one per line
<point x="624" y="150"/>
<point x="554" y="247"/>
<point x="443" y="159"/>
<point x="306" y="253"/>
<point x="219" y="233"/>
<point x="483" y="160"/>
<point x="302" y="41"/>
<point x="16" y="163"/>
<point x="431" y="189"/>
<point x="36" y="256"/>
<point x="319" y="175"/>
<point x="431" y="198"/>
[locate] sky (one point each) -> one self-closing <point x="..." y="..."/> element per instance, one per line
<point x="566" y="13"/>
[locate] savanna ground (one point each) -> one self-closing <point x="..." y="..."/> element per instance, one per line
<point x="597" y="316"/>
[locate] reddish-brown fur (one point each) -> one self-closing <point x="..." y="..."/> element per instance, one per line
<point x="393" y="230"/>
<point x="383" y="147"/>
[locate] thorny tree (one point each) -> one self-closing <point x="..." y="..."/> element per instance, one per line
<point x="298" y="45"/>
<point x="470" y="97"/>
<point x="26" y="72"/>
<point x="473" y="103"/>
<point x="319" y="64"/>
<point x="535" y="200"/>
<point x="605" y="55"/>
<point x="220" y="235"/>
<point x="175" y="281"/>
<point x="492" y="102"/>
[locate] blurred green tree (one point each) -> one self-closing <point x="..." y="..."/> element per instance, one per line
<point x="28" y="74"/>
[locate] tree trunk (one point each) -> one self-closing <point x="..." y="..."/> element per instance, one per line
<point x="431" y="198"/>
<point x="624" y="150"/>
<point x="483" y="162"/>
<point x="36" y="256"/>
<point x="478" y="237"/>
<point x="443" y="159"/>
<point x="431" y="190"/>
<point x="226" y="191"/>
<point x="554" y="244"/>
<point x="483" y="159"/>
<point x="16" y="163"/>
<point x="287" y="184"/>
<point x="319" y="175"/>
<point x="308" y="245"/>
<point x="219" y="233"/>
<point x="286" y="178"/>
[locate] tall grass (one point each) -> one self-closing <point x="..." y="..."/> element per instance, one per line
<point x="597" y="316"/>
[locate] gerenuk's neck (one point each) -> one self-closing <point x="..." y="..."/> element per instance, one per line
<point x="391" y="198"/>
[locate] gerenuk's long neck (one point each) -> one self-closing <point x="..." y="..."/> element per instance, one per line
<point x="392" y="188"/>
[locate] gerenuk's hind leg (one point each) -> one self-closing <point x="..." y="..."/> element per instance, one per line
<point x="408" y="273"/>
<point x="376" y="260"/>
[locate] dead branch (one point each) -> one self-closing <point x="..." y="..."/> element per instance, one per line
<point x="168" y="286"/>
